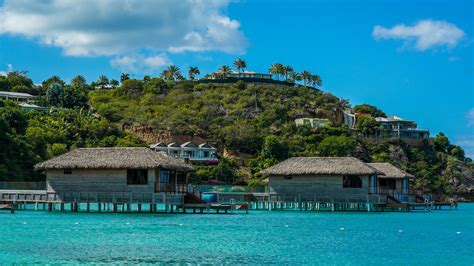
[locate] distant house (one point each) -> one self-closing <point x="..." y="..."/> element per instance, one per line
<point x="322" y="178"/>
<point x="188" y="150"/>
<point x="244" y="74"/>
<point x="23" y="99"/>
<point x="395" y="126"/>
<point x="115" y="170"/>
<point x="16" y="96"/>
<point x="392" y="180"/>
<point x="313" y="122"/>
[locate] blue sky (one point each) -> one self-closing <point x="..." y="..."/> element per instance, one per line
<point x="413" y="59"/>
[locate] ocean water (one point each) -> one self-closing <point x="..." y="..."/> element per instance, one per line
<point x="260" y="237"/>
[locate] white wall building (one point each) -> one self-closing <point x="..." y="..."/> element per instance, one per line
<point x="188" y="150"/>
<point x="23" y="99"/>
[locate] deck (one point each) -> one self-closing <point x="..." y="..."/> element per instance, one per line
<point x="191" y="202"/>
<point x="160" y="202"/>
<point x="88" y="201"/>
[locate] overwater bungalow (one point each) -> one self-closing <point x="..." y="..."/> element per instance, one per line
<point x="322" y="179"/>
<point x="102" y="172"/>
<point x="392" y="180"/>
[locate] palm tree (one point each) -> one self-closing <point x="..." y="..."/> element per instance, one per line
<point x="78" y="82"/>
<point x="276" y="69"/>
<point x="124" y="77"/>
<point x="114" y="83"/>
<point x="315" y="80"/>
<point x="223" y="70"/>
<point x="171" y="73"/>
<point x="240" y="64"/>
<point x="294" y="76"/>
<point x="305" y="76"/>
<point x="103" y="81"/>
<point x="193" y="72"/>
<point x="286" y="71"/>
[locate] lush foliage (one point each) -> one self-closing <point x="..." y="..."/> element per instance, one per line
<point x="253" y="122"/>
<point x="28" y="137"/>
<point x="369" y="109"/>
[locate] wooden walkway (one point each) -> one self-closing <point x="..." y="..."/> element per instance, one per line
<point x="110" y="202"/>
<point x="176" y="203"/>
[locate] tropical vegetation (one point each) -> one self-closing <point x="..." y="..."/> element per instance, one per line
<point x="251" y="123"/>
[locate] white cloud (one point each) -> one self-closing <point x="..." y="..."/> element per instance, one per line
<point x="119" y="28"/>
<point x="424" y="35"/>
<point x="5" y="72"/>
<point x="140" y="64"/>
<point x="470" y="117"/>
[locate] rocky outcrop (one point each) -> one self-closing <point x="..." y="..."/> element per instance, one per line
<point x="150" y="135"/>
<point x="398" y="156"/>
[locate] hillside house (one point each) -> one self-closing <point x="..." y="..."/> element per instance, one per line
<point x="188" y="150"/>
<point x="395" y="126"/>
<point x="24" y="100"/>
<point x="313" y="122"/>
<point x="244" y="74"/>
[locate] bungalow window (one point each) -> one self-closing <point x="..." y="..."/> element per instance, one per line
<point x="206" y="154"/>
<point x="137" y="176"/>
<point x="388" y="183"/>
<point x="181" y="178"/>
<point x="67" y="171"/>
<point x="165" y="177"/>
<point x="351" y="181"/>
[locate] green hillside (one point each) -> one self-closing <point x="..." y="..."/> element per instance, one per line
<point x="252" y="124"/>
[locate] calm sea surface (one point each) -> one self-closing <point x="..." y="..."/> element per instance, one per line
<point x="261" y="237"/>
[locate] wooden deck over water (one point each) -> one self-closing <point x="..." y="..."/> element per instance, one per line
<point x="227" y="202"/>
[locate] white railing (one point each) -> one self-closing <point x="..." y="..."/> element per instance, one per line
<point x="91" y="197"/>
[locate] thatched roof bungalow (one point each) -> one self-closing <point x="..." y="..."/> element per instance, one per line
<point x="388" y="170"/>
<point x="392" y="179"/>
<point x="115" y="170"/>
<point x="328" y="178"/>
<point x="320" y="166"/>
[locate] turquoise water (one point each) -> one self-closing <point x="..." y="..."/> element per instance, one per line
<point x="260" y="237"/>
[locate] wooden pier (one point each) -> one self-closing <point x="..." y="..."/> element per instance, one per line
<point x="191" y="203"/>
<point x="344" y="203"/>
<point x="110" y="202"/>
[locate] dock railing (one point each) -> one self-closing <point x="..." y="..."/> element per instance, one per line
<point x="245" y="197"/>
<point x="90" y="197"/>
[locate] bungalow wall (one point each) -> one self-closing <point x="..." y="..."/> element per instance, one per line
<point x="96" y="180"/>
<point x="392" y="186"/>
<point x="319" y="187"/>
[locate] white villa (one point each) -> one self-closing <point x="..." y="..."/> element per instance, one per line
<point x="23" y="100"/>
<point x="313" y="122"/>
<point x="243" y="74"/>
<point x="394" y="126"/>
<point x="188" y="150"/>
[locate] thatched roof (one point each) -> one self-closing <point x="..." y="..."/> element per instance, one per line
<point x="320" y="166"/>
<point x="390" y="171"/>
<point x="118" y="158"/>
